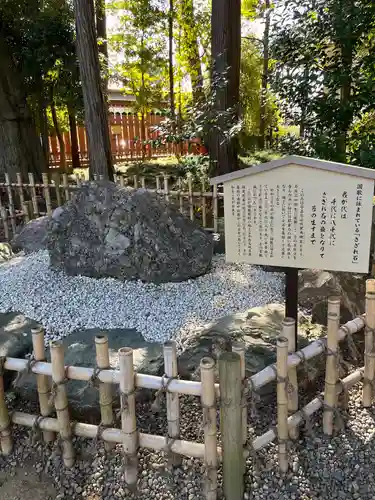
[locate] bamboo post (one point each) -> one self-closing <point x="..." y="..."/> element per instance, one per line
<point x="330" y="397"/>
<point x="180" y="196"/>
<point x="231" y="424"/>
<point x="289" y="333"/>
<point x="166" y="188"/>
<point x="33" y="195"/>
<point x="157" y="184"/>
<point x="368" y="391"/>
<point x="66" y="186"/>
<point x="208" y="399"/>
<point x="4" y="216"/>
<point x="172" y="398"/>
<point x="105" y="390"/>
<point x="204" y="207"/>
<point x="61" y="402"/>
<point x="128" y="418"/>
<point x="282" y="402"/>
<point x="6" y="441"/>
<point x="143" y="182"/>
<point x="20" y="190"/>
<point x="25" y="211"/>
<point x="12" y="212"/>
<point x="122" y="180"/>
<point x="47" y="194"/>
<point x="56" y="179"/>
<point x="135" y="178"/>
<point x="240" y="350"/>
<point x="42" y="381"/>
<point x="215" y="208"/>
<point x="190" y="188"/>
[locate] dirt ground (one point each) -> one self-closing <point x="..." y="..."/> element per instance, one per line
<point x="24" y="483"/>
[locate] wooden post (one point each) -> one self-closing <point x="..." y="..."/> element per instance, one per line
<point x="191" y="204"/>
<point x="166" y="188"/>
<point x="42" y="381"/>
<point x="143" y="182"/>
<point x="180" y="196"/>
<point x="135" y="178"/>
<point x="4" y="217"/>
<point x="204" y="207"/>
<point x="282" y="402"/>
<point x="61" y="402"/>
<point x="173" y="402"/>
<point x="12" y="212"/>
<point x="289" y="326"/>
<point x="128" y="418"/>
<point x="208" y="399"/>
<point x="330" y="397"/>
<point x="122" y="180"/>
<point x="231" y="424"/>
<point x="56" y="179"/>
<point x="47" y="194"/>
<point x="65" y="186"/>
<point x="158" y="184"/>
<point x="33" y="195"/>
<point x="20" y="190"/>
<point x="368" y="391"/>
<point x="6" y="441"/>
<point x="240" y="350"/>
<point x="215" y="208"/>
<point x="105" y="390"/>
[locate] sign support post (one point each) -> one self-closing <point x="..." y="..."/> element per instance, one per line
<point x="291" y="298"/>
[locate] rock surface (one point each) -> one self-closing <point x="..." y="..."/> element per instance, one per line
<point x="15" y="339"/>
<point x="315" y="286"/>
<point x="5" y="252"/>
<point x="109" y="231"/>
<point x="32" y="237"/>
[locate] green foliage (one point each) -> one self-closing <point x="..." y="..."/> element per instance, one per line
<point x="291" y="144"/>
<point x="325" y="74"/>
<point x="258" y="157"/>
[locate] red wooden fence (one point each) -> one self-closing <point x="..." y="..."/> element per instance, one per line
<point x="125" y="133"/>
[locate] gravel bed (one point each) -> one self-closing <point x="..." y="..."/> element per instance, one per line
<point x="63" y="304"/>
<point x="321" y="468"/>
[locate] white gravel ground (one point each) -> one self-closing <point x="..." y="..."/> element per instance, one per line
<point x="63" y="304"/>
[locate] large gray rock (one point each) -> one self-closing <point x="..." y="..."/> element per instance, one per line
<point x="109" y="231"/>
<point x="32" y="237"/>
<point x="315" y="286"/>
<point x="5" y="252"/>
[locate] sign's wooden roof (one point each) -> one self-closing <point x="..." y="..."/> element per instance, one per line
<point x="331" y="166"/>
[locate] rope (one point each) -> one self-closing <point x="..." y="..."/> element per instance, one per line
<point x="93" y="382"/>
<point x="26" y="371"/>
<point x="289" y="388"/>
<point x="155" y="407"/>
<point x="54" y="389"/>
<point x="354" y="352"/>
<point x="310" y="370"/>
<point x="336" y="412"/>
<point x="36" y="431"/>
<point x="255" y="398"/>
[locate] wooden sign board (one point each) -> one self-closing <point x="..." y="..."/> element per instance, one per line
<point x="299" y="212"/>
<point x="116" y="129"/>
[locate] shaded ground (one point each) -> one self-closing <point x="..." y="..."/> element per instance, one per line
<point x="24" y="482"/>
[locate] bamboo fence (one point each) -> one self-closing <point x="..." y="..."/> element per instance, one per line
<point x="22" y="201"/>
<point x="234" y="393"/>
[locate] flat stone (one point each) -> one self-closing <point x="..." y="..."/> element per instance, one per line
<point x="32" y="236"/>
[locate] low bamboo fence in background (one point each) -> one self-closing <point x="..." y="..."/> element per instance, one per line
<point x="233" y="394"/>
<point x="22" y="201"/>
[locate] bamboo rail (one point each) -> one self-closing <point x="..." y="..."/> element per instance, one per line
<point x="282" y="402"/>
<point x="187" y="387"/>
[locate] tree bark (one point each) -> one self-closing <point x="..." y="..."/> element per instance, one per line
<point x="96" y="116"/>
<point x="101" y="33"/>
<point x="190" y="33"/>
<point x="59" y="135"/>
<point x="76" y="163"/>
<point x="20" y="146"/>
<point x="226" y="54"/>
<point x="265" y="75"/>
<point x="170" y="62"/>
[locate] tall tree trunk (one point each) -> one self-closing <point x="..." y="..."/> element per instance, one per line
<point x="170" y="62"/>
<point x="190" y="34"/>
<point x="226" y="54"/>
<point x="96" y="116"/>
<point x="59" y="135"/>
<point x="43" y="126"/>
<point x="76" y="163"/>
<point x="101" y="33"/>
<point x="304" y="104"/>
<point x="265" y="75"/>
<point x="20" y="146"/>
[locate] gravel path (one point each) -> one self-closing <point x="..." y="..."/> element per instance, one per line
<point x="63" y="304"/>
<point x="340" y="468"/>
